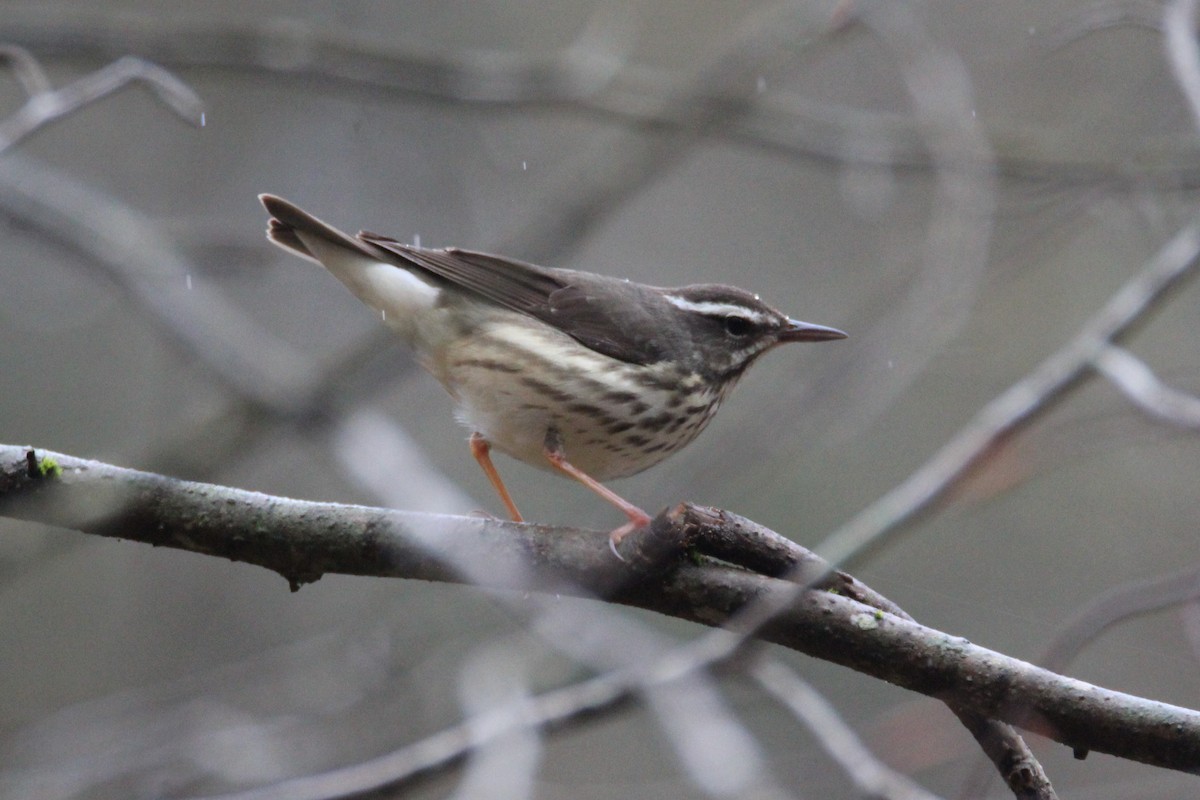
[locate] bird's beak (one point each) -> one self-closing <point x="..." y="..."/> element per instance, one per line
<point x="798" y="331"/>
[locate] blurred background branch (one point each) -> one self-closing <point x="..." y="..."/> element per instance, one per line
<point x="47" y="104"/>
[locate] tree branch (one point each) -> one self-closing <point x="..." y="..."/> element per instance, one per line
<point x="304" y="540"/>
<point x="46" y="104"/>
<point x="1015" y="407"/>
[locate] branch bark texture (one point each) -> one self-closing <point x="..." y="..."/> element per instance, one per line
<point x="303" y="540"/>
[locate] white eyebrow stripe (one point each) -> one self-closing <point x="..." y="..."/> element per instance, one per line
<point x="714" y="309"/>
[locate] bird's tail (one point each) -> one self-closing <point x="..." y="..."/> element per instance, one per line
<point x="380" y="279"/>
<point x="288" y="221"/>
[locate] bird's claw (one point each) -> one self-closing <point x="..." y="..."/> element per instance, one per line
<point x="634" y="524"/>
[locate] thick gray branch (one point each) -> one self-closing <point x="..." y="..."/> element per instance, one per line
<point x="304" y="540"/>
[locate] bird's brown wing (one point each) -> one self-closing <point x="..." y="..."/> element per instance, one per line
<point x="597" y="312"/>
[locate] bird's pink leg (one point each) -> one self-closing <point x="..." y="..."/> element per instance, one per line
<point x="553" y="451"/>
<point x="481" y="449"/>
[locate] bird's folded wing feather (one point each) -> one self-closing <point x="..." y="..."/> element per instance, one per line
<point x="560" y="298"/>
<point x="514" y="284"/>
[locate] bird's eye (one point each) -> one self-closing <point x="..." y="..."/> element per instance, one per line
<point x="737" y="326"/>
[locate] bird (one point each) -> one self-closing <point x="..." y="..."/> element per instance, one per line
<point x="586" y="375"/>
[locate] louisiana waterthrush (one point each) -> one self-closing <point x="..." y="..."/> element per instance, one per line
<point x="590" y="376"/>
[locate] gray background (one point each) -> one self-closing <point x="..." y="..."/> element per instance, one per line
<point x="572" y="134"/>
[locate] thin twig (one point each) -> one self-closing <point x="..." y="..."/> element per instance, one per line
<point x="46" y="105"/>
<point x="1179" y="20"/>
<point x="1145" y="390"/>
<point x="132" y="250"/>
<point x="26" y="69"/>
<point x="1116" y="605"/>
<point x="447" y="748"/>
<point x="1020" y="403"/>
<point x="1099" y="16"/>
<point x="584" y="77"/>
<point x="871" y="776"/>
